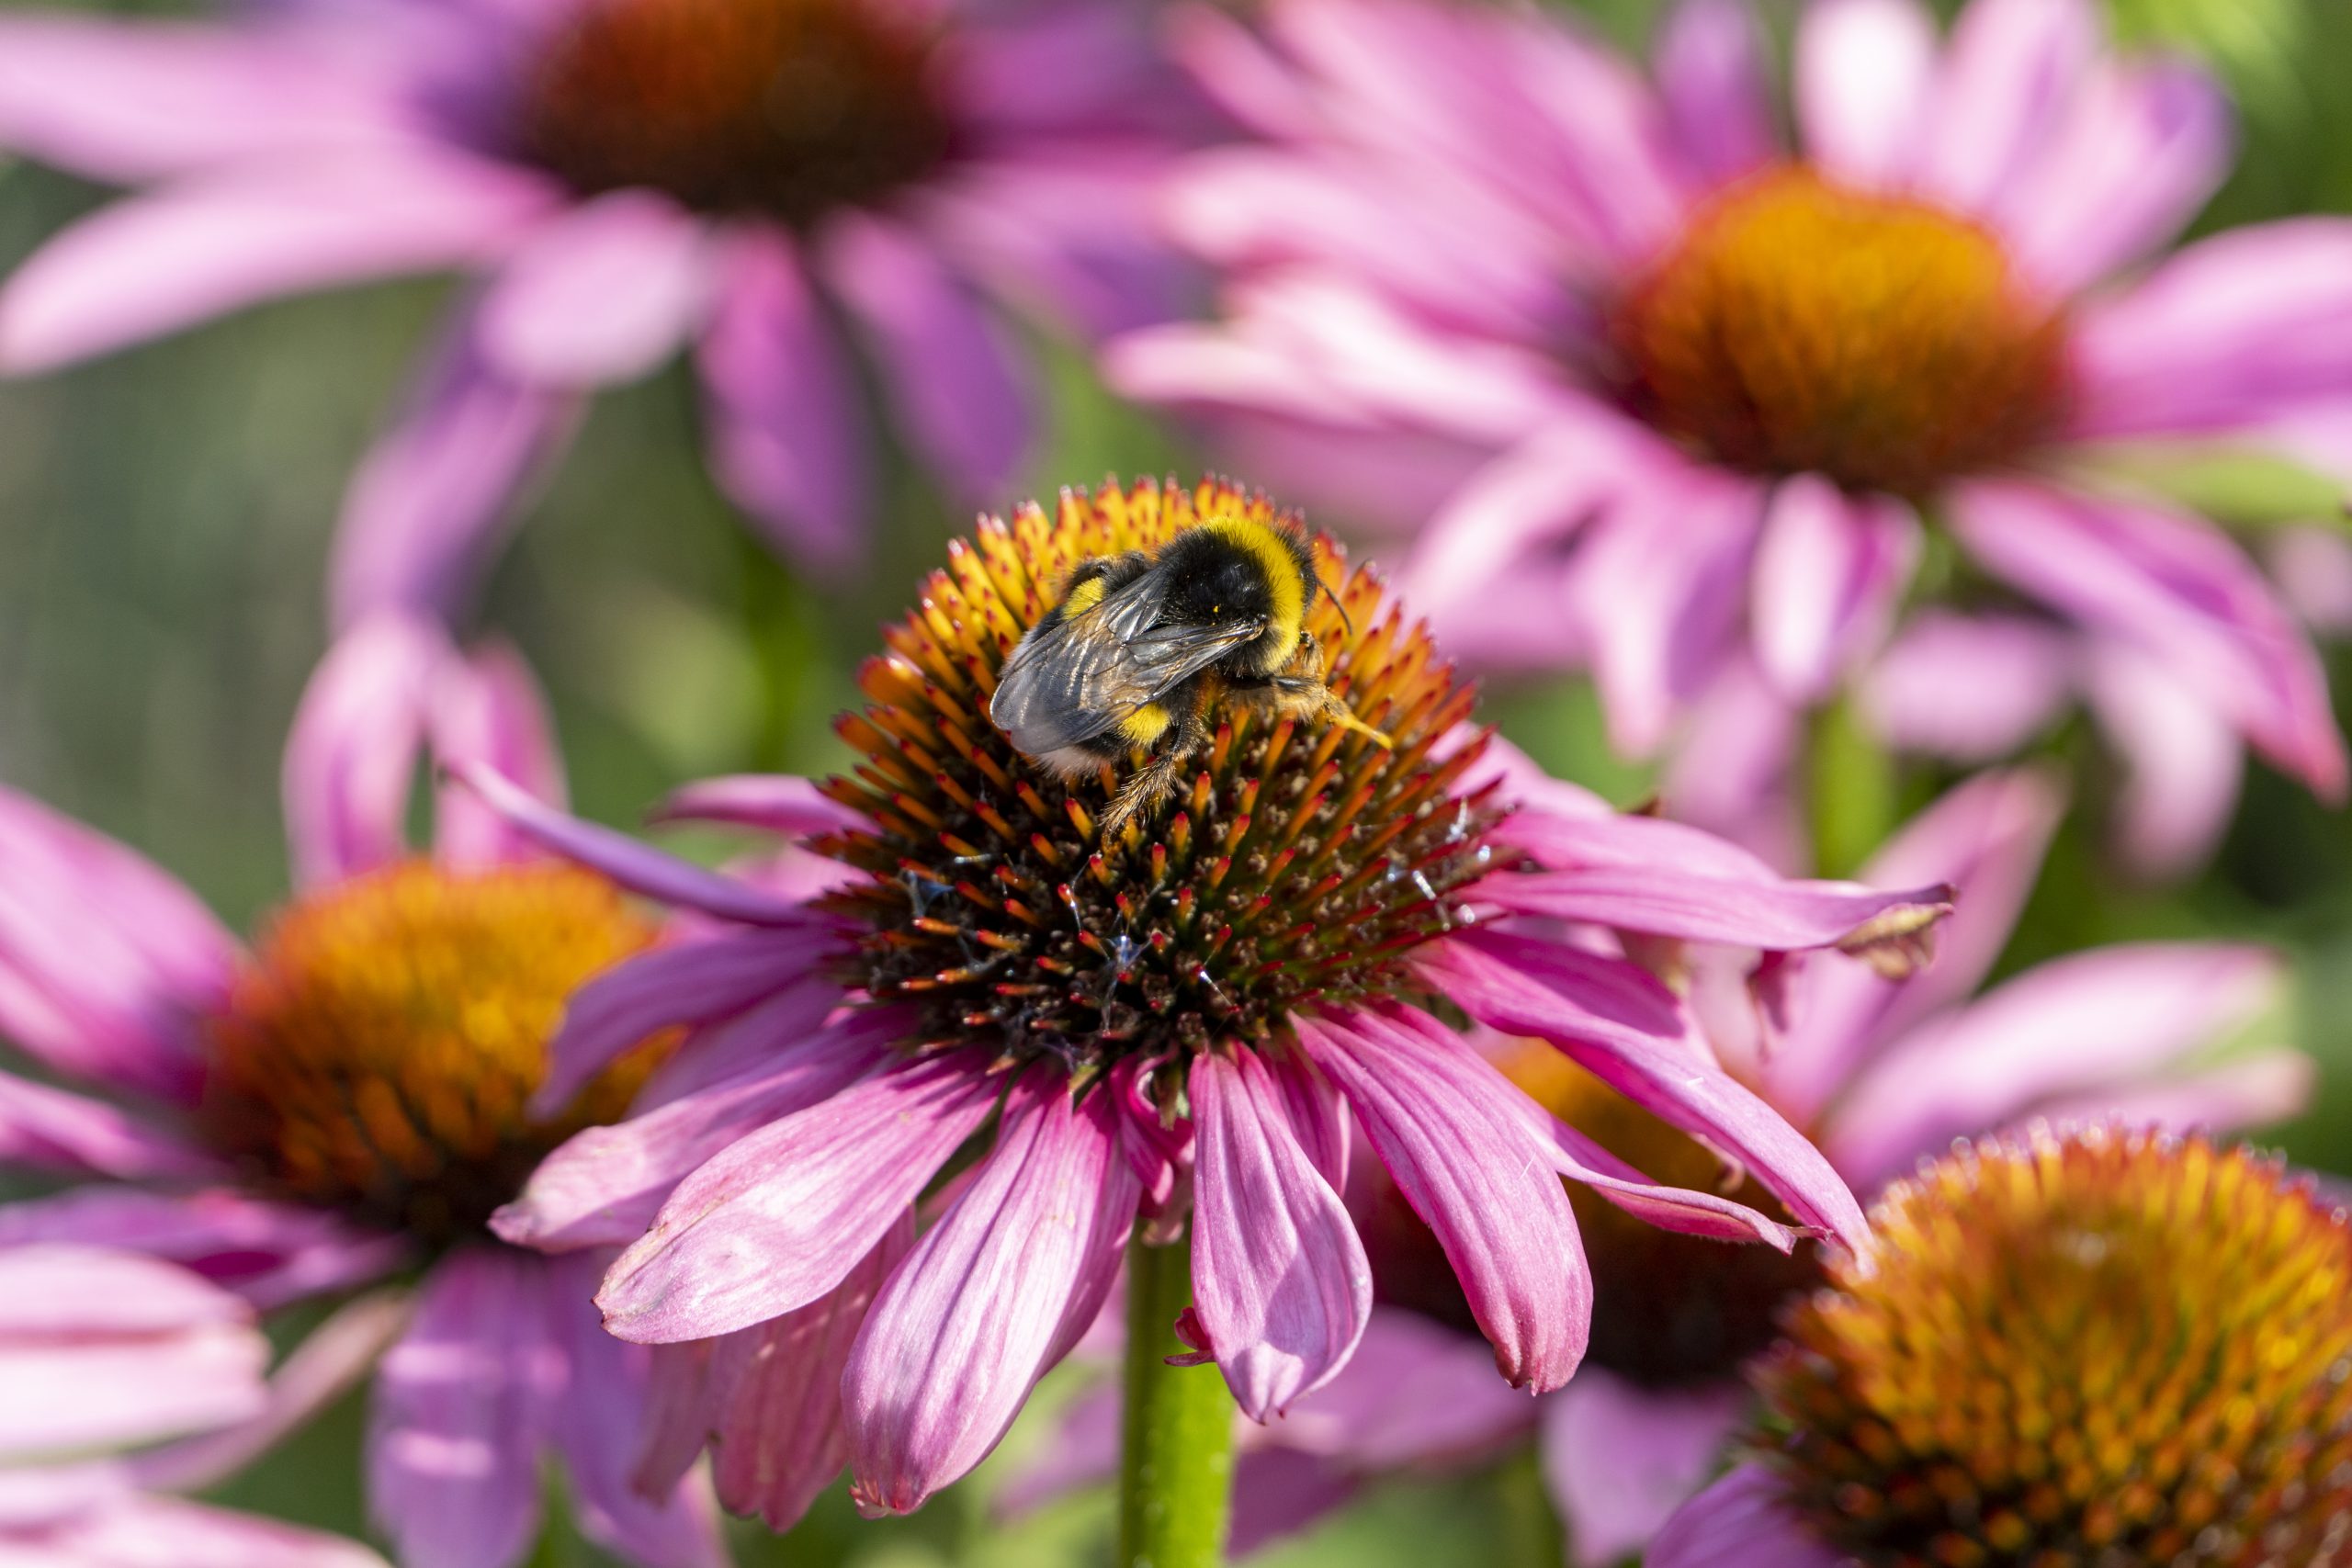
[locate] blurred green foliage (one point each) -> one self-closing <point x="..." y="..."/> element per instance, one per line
<point x="163" y="524"/>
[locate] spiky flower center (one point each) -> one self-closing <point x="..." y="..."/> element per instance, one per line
<point x="378" y="1054"/>
<point x="1799" y="326"/>
<point x="1669" y="1311"/>
<point x="2100" y="1348"/>
<point x="784" y="108"/>
<point x="1296" y="862"/>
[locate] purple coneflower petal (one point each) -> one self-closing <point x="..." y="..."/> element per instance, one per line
<point x="985" y="1302"/>
<point x="606" y="1185"/>
<point x="2183" y="763"/>
<point x="144" y="1529"/>
<point x="1280" y="1279"/>
<point x="777" y="803"/>
<point x="352" y="753"/>
<point x="1863" y="74"/>
<point x="1713" y="65"/>
<point x="1739" y="1522"/>
<point x="268" y="1253"/>
<point x="2247" y="1089"/>
<point x="1828" y="570"/>
<point x="1620" y="1024"/>
<point x="152" y="264"/>
<point x="1677" y="1208"/>
<point x="1970" y="688"/>
<point x="781" y="1215"/>
<point x="487" y="708"/>
<point x="2009" y="75"/>
<point x="50" y="1129"/>
<point x="436" y="494"/>
<point x="462" y="1407"/>
<point x="1619" y="1461"/>
<point x="1450" y="1131"/>
<point x="605" y="292"/>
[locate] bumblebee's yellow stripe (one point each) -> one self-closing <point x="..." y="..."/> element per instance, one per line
<point x="1146" y="724"/>
<point x="1288" y="588"/>
<point x="1085" y="596"/>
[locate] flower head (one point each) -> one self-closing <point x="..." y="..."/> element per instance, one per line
<point x="2097" y="1345"/>
<point x="353" y="1098"/>
<point x="624" y="178"/>
<point x="1176" y="1017"/>
<point x="1676" y="397"/>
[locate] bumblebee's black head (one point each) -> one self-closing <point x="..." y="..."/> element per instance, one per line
<point x="1233" y="571"/>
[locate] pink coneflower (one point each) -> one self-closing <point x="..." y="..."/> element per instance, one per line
<point x="1879" y="1075"/>
<point x="2090" y="1347"/>
<point x="624" y="178"/>
<point x="124" y="1379"/>
<point x="347" y="1101"/>
<point x="1180" y="1017"/>
<point x="1693" y="390"/>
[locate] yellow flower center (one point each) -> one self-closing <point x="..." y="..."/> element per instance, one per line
<point x="787" y="108"/>
<point x="1798" y="326"/>
<point x="2099" y="1348"/>
<point x="378" y="1054"/>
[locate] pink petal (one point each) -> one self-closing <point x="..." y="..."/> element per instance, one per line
<point x="42" y="1128"/>
<point x="787" y="426"/>
<point x="1627" y="1029"/>
<point x="2109" y="1019"/>
<point x="776" y="803"/>
<point x="1828" y="572"/>
<point x="147" y="1532"/>
<point x="2178" y="589"/>
<point x="1414" y="1395"/>
<point x="2247" y="1089"/>
<point x="1280" y="1279"/>
<point x="1970" y="688"/>
<point x="606" y="1185"/>
<point x="2182" y="762"/>
<point x="1733" y="772"/>
<point x="1677" y="1208"/>
<point x="155" y="264"/>
<point x="461" y="1409"/>
<point x="1778" y="916"/>
<point x="954" y="377"/>
<point x="1619" y="1459"/>
<point x="1714" y="69"/>
<point x="268" y="1253"/>
<point x="436" y="494"/>
<point x="2010" y="74"/>
<point x="353" y="751"/>
<point x="1863" y="69"/>
<point x="107" y="1348"/>
<point x="487" y="709"/>
<point x="1452" y="1131"/>
<point x="637" y="867"/>
<point x="780" y="1216"/>
<point x="1739" y="1522"/>
<point x="604" y="292"/>
<point x="983" y="1306"/>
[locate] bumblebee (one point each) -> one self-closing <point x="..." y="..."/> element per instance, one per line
<point x="1144" y="646"/>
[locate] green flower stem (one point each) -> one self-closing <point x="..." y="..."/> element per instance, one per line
<point x="1854" y="794"/>
<point x="1176" y="1448"/>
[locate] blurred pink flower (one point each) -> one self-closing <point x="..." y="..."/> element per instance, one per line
<point x="1126" y="1041"/>
<point x="1681" y="396"/>
<point x="1881" y="1076"/>
<point x="622" y="178"/>
<point x="344" y="1102"/>
<point x="124" y="1379"/>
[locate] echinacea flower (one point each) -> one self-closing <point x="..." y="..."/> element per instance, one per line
<point x="125" y="1380"/>
<point x="347" y="1101"/>
<point x="1878" y="1074"/>
<point x="1701" y="401"/>
<point x="622" y="178"/>
<point x="1177" y="1018"/>
<point x="2096" y="1346"/>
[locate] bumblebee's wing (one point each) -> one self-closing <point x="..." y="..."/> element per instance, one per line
<point x="1074" y="678"/>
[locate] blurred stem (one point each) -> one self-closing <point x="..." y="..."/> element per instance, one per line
<point x="1850" y="789"/>
<point x="775" y="623"/>
<point x="1176" y="1448"/>
<point x="1530" y="1529"/>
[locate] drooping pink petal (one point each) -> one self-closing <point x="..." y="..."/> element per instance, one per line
<point x="99" y="1347"/>
<point x="49" y="1129"/>
<point x="2182" y="762"/>
<point x="2066" y="1030"/>
<point x="105" y="962"/>
<point x="984" y="1303"/>
<point x="1619" y="1461"/>
<point x="1280" y="1279"/>
<point x="1863" y="70"/>
<point x="2177" y="588"/>
<point x="140" y="1531"/>
<point x="1620" y="1024"/>
<point x="487" y="709"/>
<point x="2009" y="76"/>
<point x="604" y="292"/>
<point x="432" y="498"/>
<point x="1739" y="1522"/>
<point x="604" y="1185"/>
<point x="1733" y="772"/>
<point x="777" y="803"/>
<point x="953" y="378"/>
<point x="1713" y="65"/>
<point x="268" y="1253"/>
<point x="461" y="1410"/>
<point x="637" y="867"/>
<point x="152" y="264"/>
<point x="352" y="754"/>
<point x="1449" y="1129"/>
<point x="787" y="422"/>
<point x="781" y="1215"/>
<point x="1677" y="1208"/>
<point x="1828" y="570"/>
<point x="1969" y="687"/>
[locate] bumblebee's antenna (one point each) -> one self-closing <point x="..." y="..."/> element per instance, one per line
<point x="1342" y="609"/>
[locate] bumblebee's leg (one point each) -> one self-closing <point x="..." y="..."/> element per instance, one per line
<point x="1298" y="691"/>
<point x="1150" y="783"/>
